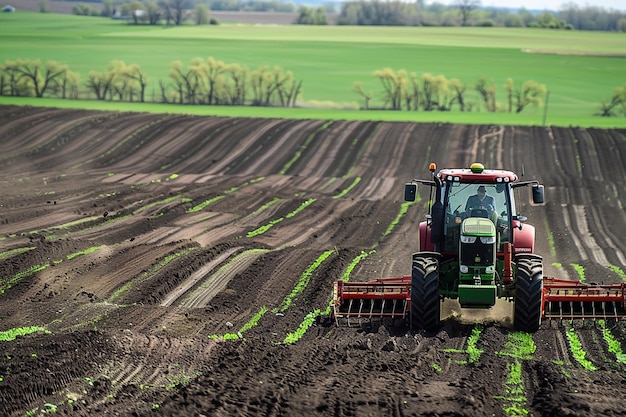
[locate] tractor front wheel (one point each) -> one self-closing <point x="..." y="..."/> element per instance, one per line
<point x="528" y="295"/>
<point x="425" y="302"/>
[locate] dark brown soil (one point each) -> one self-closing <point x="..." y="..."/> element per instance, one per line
<point x="139" y="242"/>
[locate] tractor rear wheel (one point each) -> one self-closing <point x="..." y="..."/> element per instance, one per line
<point x="528" y="295"/>
<point x="425" y="302"/>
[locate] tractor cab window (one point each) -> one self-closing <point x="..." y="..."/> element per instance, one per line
<point x="475" y="200"/>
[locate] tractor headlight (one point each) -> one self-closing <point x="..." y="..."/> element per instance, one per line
<point x="488" y="240"/>
<point x="490" y="269"/>
<point x="468" y="239"/>
<point x="464" y="269"/>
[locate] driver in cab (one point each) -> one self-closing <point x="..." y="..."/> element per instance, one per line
<point x="480" y="200"/>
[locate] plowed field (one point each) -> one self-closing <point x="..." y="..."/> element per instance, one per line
<point x="182" y="265"/>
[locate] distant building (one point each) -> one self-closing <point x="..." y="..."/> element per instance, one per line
<point x="8" y="9"/>
<point x="118" y="15"/>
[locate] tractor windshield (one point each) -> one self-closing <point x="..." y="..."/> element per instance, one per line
<point x="475" y="200"/>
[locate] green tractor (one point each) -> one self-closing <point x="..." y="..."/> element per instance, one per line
<point x="473" y="247"/>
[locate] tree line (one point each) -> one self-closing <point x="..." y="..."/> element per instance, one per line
<point x="204" y="81"/>
<point x="213" y="82"/>
<point x="409" y="91"/>
<point x="361" y="12"/>
<point x="469" y="13"/>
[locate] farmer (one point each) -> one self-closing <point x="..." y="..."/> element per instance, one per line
<point x="481" y="200"/>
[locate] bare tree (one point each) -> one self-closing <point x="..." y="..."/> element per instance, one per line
<point x="178" y="9"/>
<point x="288" y="89"/>
<point x="458" y="89"/>
<point x="519" y="97"/>
<point x="358" y="88"/>
<point x="413" y="98"/>
<point x="134" y="73"/>
<point x="153" y="12"/>
<point x="466" y="7"/>
<point x="394" y="85"/>
<point x="442" y="92"/>
<point x="488" y="94"/>
<point x="134" y="9"/>
<point x="213" y="71"/>
<point x="13" y="76"/>
<point x="100" y="83"/>
<point x="67" y="85"/>
<point x="619" y="98"/>
<point x="259" y="81"/>
<point x="187" y="82"/>
<point x="167" y="11"/>
<point x="239" y="76"/>
<point x="37" y="76"/>
<point x="429" y="100"/>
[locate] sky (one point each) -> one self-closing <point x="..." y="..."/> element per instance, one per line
<point x="554" y="5"/>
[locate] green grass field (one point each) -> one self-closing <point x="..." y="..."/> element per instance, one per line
<point x="580" y="69"/>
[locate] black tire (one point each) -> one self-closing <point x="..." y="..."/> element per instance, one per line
<point x="425" y="301"/>
<point x="528" y="295"/>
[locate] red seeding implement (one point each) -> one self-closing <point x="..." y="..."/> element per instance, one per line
<point x="476" y="248"/>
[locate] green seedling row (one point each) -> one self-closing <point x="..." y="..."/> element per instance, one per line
<point x="299" y="287"/>
<point x="13" y="252"/>
<point x="157" y="203"/>
<point x="514" y="392"/>
<point x="520" y="345"/>
<point x="4" y="286"/>
<point x="12" y="334"/>
<point x="296" y="335"/>
<point x="84" y="252"/>
<point x="152" y="271"/>
<point x="247" y="326"/>
<point x="349" y="188"/>
<point x="306" y="143"/>
<point x="202" y="205"/>
<point x="550" y="237"/>
<point x="577" y="350"/>
<point x="619" y="271"/>
<point x="346" y="274"/>
<point x="302" y="282"/>
<point x="473" y="351"/>
<point x="614" y="345"/>
<point x="75" y="223"/>
<point x="580" y="270"/>
<point x="245" y="184"/>
<point x="268" y="226"/>
<point x="404" y="207"/>
<point x="561" y="364"/>
<point x="265" y="206"/>
<point x="292" y="338"/>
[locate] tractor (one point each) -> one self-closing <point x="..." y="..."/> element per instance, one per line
<point x="475" y="247"/>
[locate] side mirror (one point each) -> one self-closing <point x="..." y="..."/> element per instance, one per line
<point x="410" y="191"/>
<point x="538" y="194"/>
